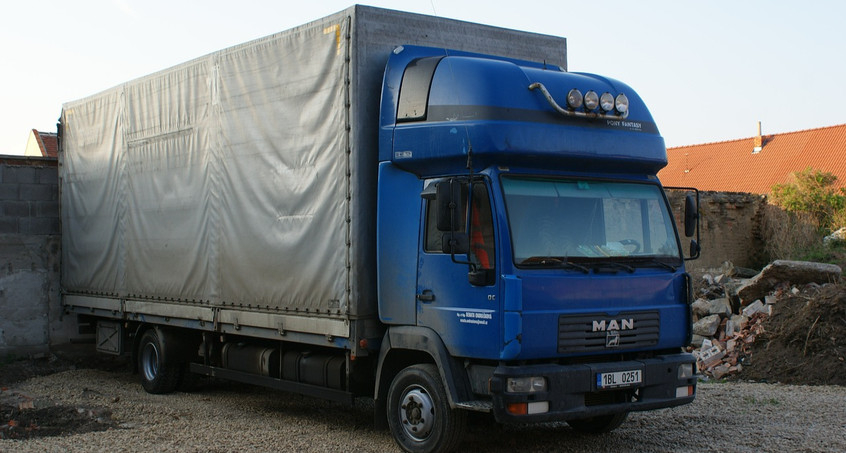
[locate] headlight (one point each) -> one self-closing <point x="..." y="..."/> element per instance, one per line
<point x="621" y="103"/>
<point x="591" y="100"/>
<point x="606" y="101"/>
<point x="574" y="98"/>
<point x="526" y="384"/>
<point x="686" y="371"/>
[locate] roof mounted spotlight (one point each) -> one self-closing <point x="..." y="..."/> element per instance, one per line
<point x="574" y="98"/>
<point x="606" y="102"/>
<point x="591" y="100"/>
<point x="621" y="103"/>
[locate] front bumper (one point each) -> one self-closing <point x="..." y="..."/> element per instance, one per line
<point x="572" y="391"/>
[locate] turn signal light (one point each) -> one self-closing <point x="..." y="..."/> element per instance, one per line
<point x="535" y="407"/>
<point x="518" y="408"/>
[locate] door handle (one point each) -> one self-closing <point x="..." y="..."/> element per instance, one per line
<point x="426" y="296"/>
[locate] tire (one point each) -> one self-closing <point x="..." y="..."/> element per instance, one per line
<point x="158" y="362"/>
<point x="417" y="391"/>
<point x="599" y="424"/>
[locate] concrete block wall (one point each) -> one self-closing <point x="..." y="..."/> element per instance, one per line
<point x="31" y="317"/>
<point x="29" y="196"/>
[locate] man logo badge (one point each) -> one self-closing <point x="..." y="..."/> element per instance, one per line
<point x="612" y="338"/>
<point x="612" y="329"/>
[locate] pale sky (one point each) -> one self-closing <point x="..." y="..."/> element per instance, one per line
<point x="708" y="70"/>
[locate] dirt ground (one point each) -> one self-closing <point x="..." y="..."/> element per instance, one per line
<point x="29" y="423"/>
<point x="804" y="341"/>
<point x="23" y="418"/>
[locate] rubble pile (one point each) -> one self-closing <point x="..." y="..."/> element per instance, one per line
<point x="733" y="307"/>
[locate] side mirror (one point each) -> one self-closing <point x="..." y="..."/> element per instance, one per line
<point x="694" y="249"/>
<point x="450" y="205"/>
<point x="691" y="215"/>
<point x="456" y="243"/>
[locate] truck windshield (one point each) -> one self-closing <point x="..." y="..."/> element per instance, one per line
<point x="556" y="220"/>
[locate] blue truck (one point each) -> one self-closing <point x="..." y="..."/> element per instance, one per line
<point x="431" y="213"/>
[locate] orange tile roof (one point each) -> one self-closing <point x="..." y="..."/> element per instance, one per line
<point x="48" y="142"/>
<point x="731" y="166"/>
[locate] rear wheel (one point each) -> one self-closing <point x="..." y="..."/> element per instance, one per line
<point x="419" y="414"/>
<point x="158" y="362"/>
<point x="600" y="424"/>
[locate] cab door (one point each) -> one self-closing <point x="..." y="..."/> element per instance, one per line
<point x="458" y="295"/>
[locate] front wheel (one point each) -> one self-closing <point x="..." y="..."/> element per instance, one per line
<point x="161" y="371"/>
<point x="599" y="424"/>
<point x="419" y="414"/>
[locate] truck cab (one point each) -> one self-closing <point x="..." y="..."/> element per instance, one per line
<point x="525" y="247"/>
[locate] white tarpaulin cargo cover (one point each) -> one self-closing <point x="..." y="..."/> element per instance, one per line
<point x="223" y="179"/>
<point x="243" y="178"/>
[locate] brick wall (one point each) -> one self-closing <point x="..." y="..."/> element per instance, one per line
<point x="730" y="225"/>
<point x="29" y="256"/>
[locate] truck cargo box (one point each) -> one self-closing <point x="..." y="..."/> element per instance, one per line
<point x="239" y="188"/>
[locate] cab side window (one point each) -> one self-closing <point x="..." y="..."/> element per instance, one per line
<point x="481" y="231"/>
<point x="434" y="237"/>
<point x="482" y="247"/>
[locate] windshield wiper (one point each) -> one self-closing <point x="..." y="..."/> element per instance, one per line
<point x="663" y="264"/>
<point x="553" y="262"/>
<point x="612" y="264"/>
<point x="653" y="261"/>
<point x="572" y="265"/>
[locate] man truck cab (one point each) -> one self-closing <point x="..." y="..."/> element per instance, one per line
<point x="547" y="262"/>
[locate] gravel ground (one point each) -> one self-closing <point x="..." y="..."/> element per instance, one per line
<point x="224" y="417"/>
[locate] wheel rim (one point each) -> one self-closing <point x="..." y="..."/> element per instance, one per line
<point x="150" y="361"/>
<point x="417" y="413"/>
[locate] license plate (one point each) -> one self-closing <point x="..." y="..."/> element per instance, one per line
<point x="618" y="379"/>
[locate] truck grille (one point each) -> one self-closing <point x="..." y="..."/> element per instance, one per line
<point x="601" y="332"/>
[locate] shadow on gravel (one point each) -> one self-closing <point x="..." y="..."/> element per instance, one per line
<point x="30" y="422"/>
<point x="68" y="357"/>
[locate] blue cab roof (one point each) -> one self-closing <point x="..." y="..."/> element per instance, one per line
<point x="484" y="103"/>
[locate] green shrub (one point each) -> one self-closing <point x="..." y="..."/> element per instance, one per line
<point x="811" y="193"/>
